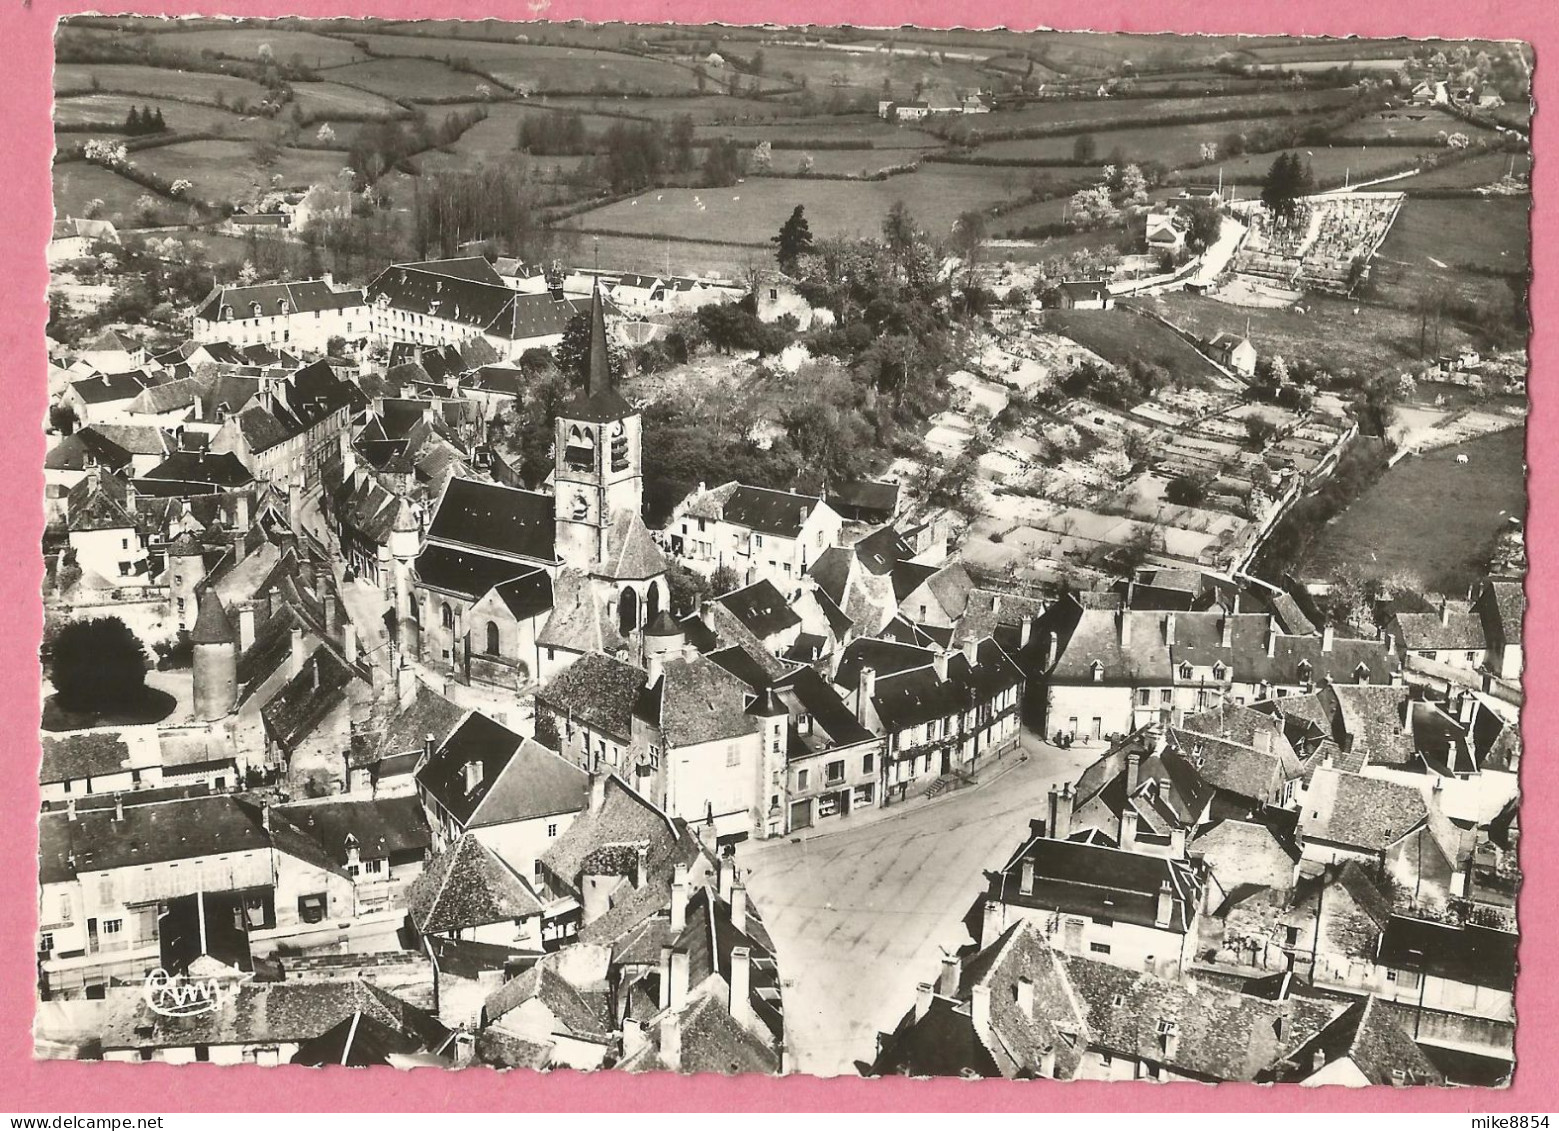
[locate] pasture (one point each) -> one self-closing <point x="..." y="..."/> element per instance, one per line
<point x="1465" y="245"/>
<point x="536" y="68"/>
<point x="111" y="110"/>
<point x="1473" y="173"/>
<point x="1174" y="145"/>
<point x="77" y="183"/>
<point x="704" y="109"/>
<point x="1081" y="116"/>
<point x="751" y="212"/>
<point x="1333" y="333"/>
<point x="411" y="80"/>
<point x="870" y="131"/>
<point x="1122" y="336"/>
<point x="1421" y="124"/>
<point x="852" y="70"/>
<point x="1431" y="517"/>
<point x="157" y="82"/>
<point x="1331" y="166"/>
<point x="225" y="171"/>
<point x="332" y="100"/>
<point x="249" y="43"/>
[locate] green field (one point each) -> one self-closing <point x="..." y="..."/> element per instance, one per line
<point x="411" y="79"/>
<point x="224" y="171"/>
<point x="868" y="130"/>
<point x="1122" y="336"/>
<point x="332" y="99"/>
<point x="1081" y="116"/>
<point x="841" y="162"/>
<point x="111" y="109"/>
<point x="851" y="70"/>
<point x="1475" y="172"/>
<point x="563" y="69"/>
<point x="77" y="182"/>
<point x="302" y="47"/>
<point x="1330" y="166"/>
<point x="1407" y="123"/>
<point x="749" y="213"/>
<point x="1403" y="523"/>
<point x="705" y="109"/>
<point x="157" y="82"/>
<point x="1434" y="242"/>
<point x="1174" y="145"/>
<point x="1335" y="334"/>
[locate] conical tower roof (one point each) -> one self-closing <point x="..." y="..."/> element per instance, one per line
<point x="663" y="624"/>
<point x="767" y="704"/>
<point x="212" y="624"/>
<point x="186" y="545"/>
<point x="599" y="401"/>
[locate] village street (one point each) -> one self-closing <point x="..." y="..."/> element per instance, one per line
<point x="861" y="915"/>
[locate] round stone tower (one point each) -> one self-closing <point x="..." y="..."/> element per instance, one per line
<point x="186" y="571"/>
<point x="216" y="659"/>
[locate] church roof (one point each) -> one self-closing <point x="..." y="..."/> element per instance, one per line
<point x="631" y="554"/>
<point x="599" y="401"/>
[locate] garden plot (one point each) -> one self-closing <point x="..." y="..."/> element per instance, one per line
<point x="985" y="396"/>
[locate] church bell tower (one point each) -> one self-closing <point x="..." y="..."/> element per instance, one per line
<point x="598" y="470"/>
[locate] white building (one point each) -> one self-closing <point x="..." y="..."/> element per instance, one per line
<point x="304" y="315"/>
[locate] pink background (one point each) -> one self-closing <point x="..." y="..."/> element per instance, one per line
<point x="26" y="140"/>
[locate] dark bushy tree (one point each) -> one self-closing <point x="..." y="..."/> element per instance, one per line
<point x="98" y="665"/>
<point x="794" y="239"/>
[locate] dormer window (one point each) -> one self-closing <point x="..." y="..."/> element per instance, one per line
<point x="254" y="310"/>
<point x="1096" y="669"/>
<point x="1219" y="671"/>
<point x="1304" y="671"/>
<point x="1185" y="671"/>
<point x="284" y="307"/>
<point x="227" y="314"/>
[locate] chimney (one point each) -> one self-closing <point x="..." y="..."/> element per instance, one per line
<point x="1125" y="626"/>
<point x="1052" y="648"/>
<point x="1226" y="631"/>
<point x="740" y="1004"/>
<point x="1025" y="990"/>
<point x="1128" y="829"/>
<point x="641" y="866"/>
<point x="739" y="908"/>
<point x="1326" y="639"/>
<point x="349" y="643"/>
<point x="1166" y="905"/>
<point x="1169" y="629"/>
<point x="947" y="982"/>
<point x="70" y="808"/>
<point x="1176" y="843"/>
<point x="241" y="512"/>
<point x="1317" y="1060"/>
<point x="295" y="663"/>
<point x="671" y="1040"/>
<point x="119" y="808"/>
<point x="245" y="626"/>
<point x="332" y="615"/>
<point x="1064" y="812"/>
<point x="1026" y="876"/>
<point x="923" y="995"/>
<point x="1047" y="1063"/>
<point x="654" y="667"/>
<point x="727" y="877"/>
<point x="940" y="664"/>
<point x="1171" y="1040"/>
<point x="1445" y="611"/>
<point x="980" y="1011"/>
<point x="265" y="815"/>
<point x="597" y="791"/>
<point x="679" y="975"/>
<point x="306" y="570"/>
<point x="1133" y="771"/>
<point x="1025" y="631"/>
<point x="863" y="697"/>
<point x="679" y="899"/>
<point x="1272" y="637"/>
<point x="1466" y="706"/>
<point x="971" y="649"/>
<point x="473" y="775"/>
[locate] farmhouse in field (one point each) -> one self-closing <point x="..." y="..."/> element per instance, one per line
<point x="1084" y="294"/>
<point x="1233" y="352"/>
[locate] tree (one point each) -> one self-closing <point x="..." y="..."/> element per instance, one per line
<point x="98" y="665"/>
<point x="688" y="589"/>
<point x="724" y="580"/>
<point x="133" y="121"/>
<point x="898" y="230"/>
<point x="326" y="135"/>
<point x="572" y="354"/>
<point x="1187" y="490"/>
<point x="1258" y="430"/>
<point x="62" y="418"/>
<point x="1085" y="149"/>
<point x="794" y="239"/>
<point x="1288" y="180"/>
<point x="1204" y="222"/>
<point x="158" y="125"/>
<point x="969" y="233"/>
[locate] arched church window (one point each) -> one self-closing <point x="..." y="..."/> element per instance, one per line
<point x="619" y="446"/>
<point x="579" y="452"/>
<point x="628" y="612"/>
<point x="447" y="615"/>
<point x="494" y="647"/>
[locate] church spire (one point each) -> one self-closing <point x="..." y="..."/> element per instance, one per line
<point x="600" y="361"/>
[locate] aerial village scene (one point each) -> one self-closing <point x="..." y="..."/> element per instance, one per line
<point x="785" y="550"/>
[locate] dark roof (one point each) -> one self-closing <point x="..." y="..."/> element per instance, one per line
<point x="535" y="782"/>
<point x="463" y="293"/>
<point x="863" y="496"/>
<point x="1479" y="956"/>
<point x="528" y="595"/>
<point x="359" y="1041"/>
<point x="1088" y="879"/>
<point x="156" y="833"/>
<point x="105" y="388"/>
<point x="477" y="739"/>
<point x="1369" y="1034"/>
<point x="761" y="608"/>
<point x="212" y="624"/>
<point x="496" y="519"/>
<point x="599" y="401"/>
<point x="769" y="512"/>
<point x="376" y="827"/>
<point x="306" y="700"/>
<point x="465" y="572"/>
<point x="83" y="449"/>
<point x="224" y="470"/>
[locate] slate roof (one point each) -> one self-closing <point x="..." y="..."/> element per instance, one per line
<point x="360" y="1041"/>
<point x="780" y="513"/>
<point x="467" y="885"/>
<point x="154" y="833"/>
<point x="1457" y="627"/>
<point x="83" y="449"/>
<point x="582" y="1015"/>
<point x="106" y="388"/>
<point x="599" y="401"/>
<point x="761" y="608"/>
<point x="465" y="294"/>
<point x="863" y="496"/>
<point x="463" y="572"/>
<point x="212" y="624"/>
<point x="528" y="595"/>
<point x="380" y="826"/>
<point x="702" y="702"/>
<point x="1086" y="879"/>
<point x="305" y="701"/>
<point x="489" y="517"/>
<point x="1473" y="955"/>
<point x="477" y="739"/>
<point x="535" y="782"/>
<point x="224" y="470"/>
<point x="1366" y="813"/>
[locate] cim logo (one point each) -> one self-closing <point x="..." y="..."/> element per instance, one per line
<point x="179" y="995"/>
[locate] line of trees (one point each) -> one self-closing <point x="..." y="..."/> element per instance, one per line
<point x="141" y="121"/>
